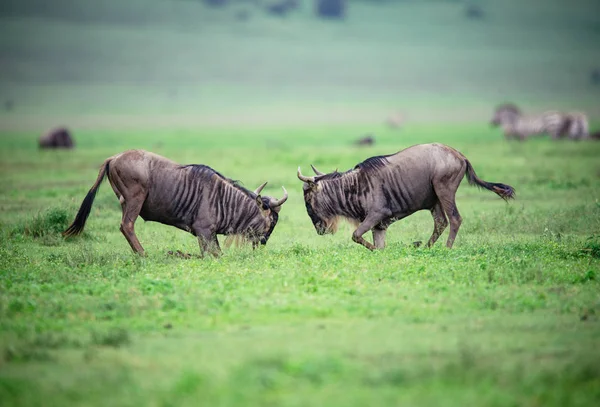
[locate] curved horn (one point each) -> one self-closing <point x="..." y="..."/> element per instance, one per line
<point x="260" y="188"/>
<point x="278" y="202"/>
<point x="315" y="170"/>
<point x="304" y="178"/>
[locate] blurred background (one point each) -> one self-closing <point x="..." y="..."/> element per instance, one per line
<point x="195" y="63"/>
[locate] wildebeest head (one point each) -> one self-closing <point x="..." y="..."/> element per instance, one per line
<point x="318" y="205"/>
<point x="269" y="208"/>
<point x="506" y="113"/>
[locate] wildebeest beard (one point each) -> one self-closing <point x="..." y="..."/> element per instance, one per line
<point x="320" y="224"/>
<point x="274" y="219"/>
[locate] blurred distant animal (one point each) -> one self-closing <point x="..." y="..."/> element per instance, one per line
<point x="333" y="9"/>
<point x="394" y="121"/>
<point x="57" y="138"/>
<point x="194" y="198"/>
<point x="384" y="189"/>
<point x="215" y="3"/>
<point x="577" y="126"/>
<point x="367" y="140"/>
<point x="595" y="135"/>
<point x="557" y="124"/>
<point x="474" y="12"/>
<point x="9" y="105"/>
<point x="242" y="15"/>
<point x="282" y="7"/>
<point x="595" y="76"/>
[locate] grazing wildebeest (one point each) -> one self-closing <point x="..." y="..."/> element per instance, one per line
<point x="281" y="7"/>
<point x="194" y="198"/>
<point x="474" y="12"/>
<point x="383" y="189"/>
<point x="57" y="138"/>
<point x="577" y="126"/>
<point x="595" y="76"/>
<point x="515" y="124"/>
<point x="367" y="140"/>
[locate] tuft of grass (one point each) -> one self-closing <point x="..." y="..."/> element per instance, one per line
<point x="47" y="225"/>
<point x="114" y="338"/>
<point x="592" y="246"/>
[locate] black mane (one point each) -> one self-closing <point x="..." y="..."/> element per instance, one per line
<point x="369" y="165"/>
<point x="332" y="175"/>
<point x="203" y="170"/>
<point x="508" y="107"/>
<point x="373" y="164"/>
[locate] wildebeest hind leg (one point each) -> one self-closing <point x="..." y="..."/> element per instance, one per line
<point x="449" y="204"/>
<point x="439" y="223"/>
<point x="445" y="189"/>
<point x="131" y="210"/>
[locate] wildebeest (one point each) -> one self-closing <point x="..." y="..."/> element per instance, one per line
<point x="394" y="121"/>
<point x="57" y="138"/>
<point x="577" y="126"/>
<point x="367" y="140"/>
<point x="474" y="12"/>
<point x="334" y="9"/>
<point x="557" y="124"/>
<point x="383" y="189"/>
<point x="595" y="76"/>
<point x="281" y="7"/>
<point x="194" y="198"/>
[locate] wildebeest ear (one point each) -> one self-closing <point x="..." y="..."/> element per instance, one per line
<point x="259" y="201"/>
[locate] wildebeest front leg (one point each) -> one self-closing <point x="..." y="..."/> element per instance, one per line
<point x="209" y="243"/>
<point x="379" y="238"/>
<point x="365" y="226"/>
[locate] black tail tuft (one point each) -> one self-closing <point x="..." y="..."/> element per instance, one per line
<point x="86" y="206"/>
<point x="504" y="191"/>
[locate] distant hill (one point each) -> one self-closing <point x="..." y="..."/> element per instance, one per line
<point x="388" y="51"/>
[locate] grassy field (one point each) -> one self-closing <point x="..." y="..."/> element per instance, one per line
<point x="86" y="63"/>
<point x="510" y="316"/>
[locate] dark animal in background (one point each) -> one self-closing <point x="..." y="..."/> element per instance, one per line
<point x="383" y="189"/>
<point x="216" y="3"/>
<point x="57" y="138"/>
<point x="281" y="8"/>
<point x="595" y="135"/>
<point x="242" y="15"/>
<point x="332" y="9"/>
<point x="365" y="141"/>
<point x="595" y="76"/>
<point x="194" y="198"/>
<point x="474" y="12"/>
<point x="9" y="105"/>
<point x="557" y="124"/>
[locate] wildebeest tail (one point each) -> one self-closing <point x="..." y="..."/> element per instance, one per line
<point x="86" y="206"/>
<point x="504" y="191"/>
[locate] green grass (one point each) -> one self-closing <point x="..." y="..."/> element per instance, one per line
<point x="510" y="316"/>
